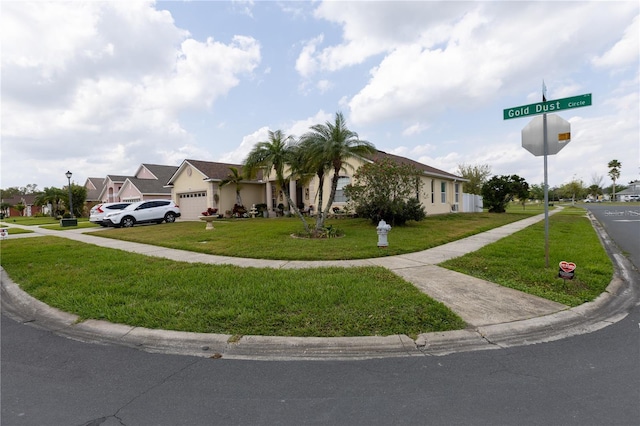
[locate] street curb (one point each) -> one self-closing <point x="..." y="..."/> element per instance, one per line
<point x="611" y="306"/>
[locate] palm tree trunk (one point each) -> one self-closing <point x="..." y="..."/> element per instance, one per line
<point x="321" y="214"/>
<point x="298" y="213"/>
<point x="332" y="196"/>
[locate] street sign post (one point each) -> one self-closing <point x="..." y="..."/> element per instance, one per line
<point x="531" y="137"/>
<point x="547" y="107"/>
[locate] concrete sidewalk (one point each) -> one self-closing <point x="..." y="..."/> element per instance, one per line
<point x="496" y="316"/>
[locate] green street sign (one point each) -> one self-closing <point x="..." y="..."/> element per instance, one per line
<point x="547" y="107"/>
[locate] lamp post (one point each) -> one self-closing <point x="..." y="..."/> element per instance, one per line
<point x="69" y="174"/>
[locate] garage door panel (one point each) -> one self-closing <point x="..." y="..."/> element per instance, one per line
<point x="192" y="204"/>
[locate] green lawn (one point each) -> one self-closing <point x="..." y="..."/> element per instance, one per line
<point x="119" y="287"/>
<point x="46" y="222"/>
<point x="30" y="220"/>
<point x="519" y="260"/>
<point x="128" y="288"/>
<point x="14" y="231"/>
<point x="272" y="238"/>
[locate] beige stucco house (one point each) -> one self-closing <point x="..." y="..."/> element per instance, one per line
<point x="196" y="187"/>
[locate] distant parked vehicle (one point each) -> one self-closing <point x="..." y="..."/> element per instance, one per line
<point x="146" y="211"/>
<point x="99" y="211"/>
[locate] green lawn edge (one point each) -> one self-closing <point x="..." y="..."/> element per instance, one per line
<point x="518" y="261"/>
<point x="127" y="288"/>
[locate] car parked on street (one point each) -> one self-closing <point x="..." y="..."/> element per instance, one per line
<point x="145" y="211"/>
<point x="99" y="211"/>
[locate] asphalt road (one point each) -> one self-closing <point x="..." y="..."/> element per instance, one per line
<point x="622" y="223"/>
<point x="589" y="379"/>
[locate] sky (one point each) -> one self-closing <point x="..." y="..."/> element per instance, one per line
<point x="100" y="88"/>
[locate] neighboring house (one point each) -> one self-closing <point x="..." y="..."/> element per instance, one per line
<point x="28" y="201"/>
<point x="149" y="181"/>
<point x="111" y="187"/>
<point x="196" y="187"/>
<point x="632" y="193"/>
<point x="94" y="188"/>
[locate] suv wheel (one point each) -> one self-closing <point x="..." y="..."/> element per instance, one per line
<point x="170" y="217"/>
<point x="127" y="222"/>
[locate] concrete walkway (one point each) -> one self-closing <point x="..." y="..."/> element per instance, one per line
<point x="486" y="307"/>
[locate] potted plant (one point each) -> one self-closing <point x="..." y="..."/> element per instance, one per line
<point x="208" y="216"/>
<point x="262" y="209"/>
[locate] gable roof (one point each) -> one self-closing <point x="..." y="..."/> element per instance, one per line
<point x="428" y="170"/>
<point x="147" y="186"/>
<point x="94" y="187"/>
<point x="117" y="178"/>
<point x="160" y="172"/>
<point x="212" y="170"/>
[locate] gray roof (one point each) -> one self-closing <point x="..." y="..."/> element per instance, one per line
<point x="218" y="171"/>
<point x="162" y="173"/>
<point x="150" y="186"/>
<point x="94" y="194"/>
<point x="379" y="155"/>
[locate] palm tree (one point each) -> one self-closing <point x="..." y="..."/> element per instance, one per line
<point x="614" y="174"/>
<point x="235" y="178"/>
<point x="274" y="155"/>
<point x="329" y="146"/>
<point x="53" y="196"/>
<point x="4" y="209"/>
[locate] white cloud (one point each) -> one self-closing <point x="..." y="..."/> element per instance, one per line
<point x="324" y="85"/>
<point x="295" y="129"/>
<point x="458" y="55"/>
<point x="414" y="129"/>
<point x="625" y="51"/>
<point x="300" y="127"/>
<point x="307" y="64"/>
<point x="109" y="79"/>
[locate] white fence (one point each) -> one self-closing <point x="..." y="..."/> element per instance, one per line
<point x="471" y="203"/>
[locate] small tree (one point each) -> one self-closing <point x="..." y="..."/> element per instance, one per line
<point x="500" y="190"/>
<point x="387" y="191"/>
<point x="21" y="207"/>
<point x="536" y="192"/>
<point x="476" y="175"/>
<point x="235" y="178"/>
<point x="79" y="197"/>
<point x="614" y="174"/>
<point x="4" y="208"/>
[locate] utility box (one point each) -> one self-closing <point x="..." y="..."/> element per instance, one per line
<point x="69" y="222"/>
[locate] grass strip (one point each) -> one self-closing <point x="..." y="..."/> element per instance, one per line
<point x="519" y="261"/>
<point x="272" y="238"/>
<point x="127" y="288"/>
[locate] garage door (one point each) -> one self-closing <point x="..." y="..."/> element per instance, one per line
<point x="192" y="204"/>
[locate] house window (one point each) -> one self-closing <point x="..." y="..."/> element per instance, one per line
<point x="432" y="191"/>
<point x="274" y="202"/>
<point x="443" y="192"/>
<point x="342" y="182"/>
<point x="456" y="193"/>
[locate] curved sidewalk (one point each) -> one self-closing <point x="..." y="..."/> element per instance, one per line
<point x="496" y="316"/>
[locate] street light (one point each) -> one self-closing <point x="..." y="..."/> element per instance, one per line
<point x="69" y="174"/>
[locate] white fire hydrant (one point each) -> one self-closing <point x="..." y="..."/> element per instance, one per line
<point x="383" y="229"/>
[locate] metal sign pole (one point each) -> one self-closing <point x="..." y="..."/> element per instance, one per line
<point x="546" y="193"/>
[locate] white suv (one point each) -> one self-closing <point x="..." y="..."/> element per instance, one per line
<point x="145" y="211"/>
<point x="98" y="212"/>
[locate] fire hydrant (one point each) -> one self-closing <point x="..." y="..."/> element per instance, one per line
<point x="383" y="229"/>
